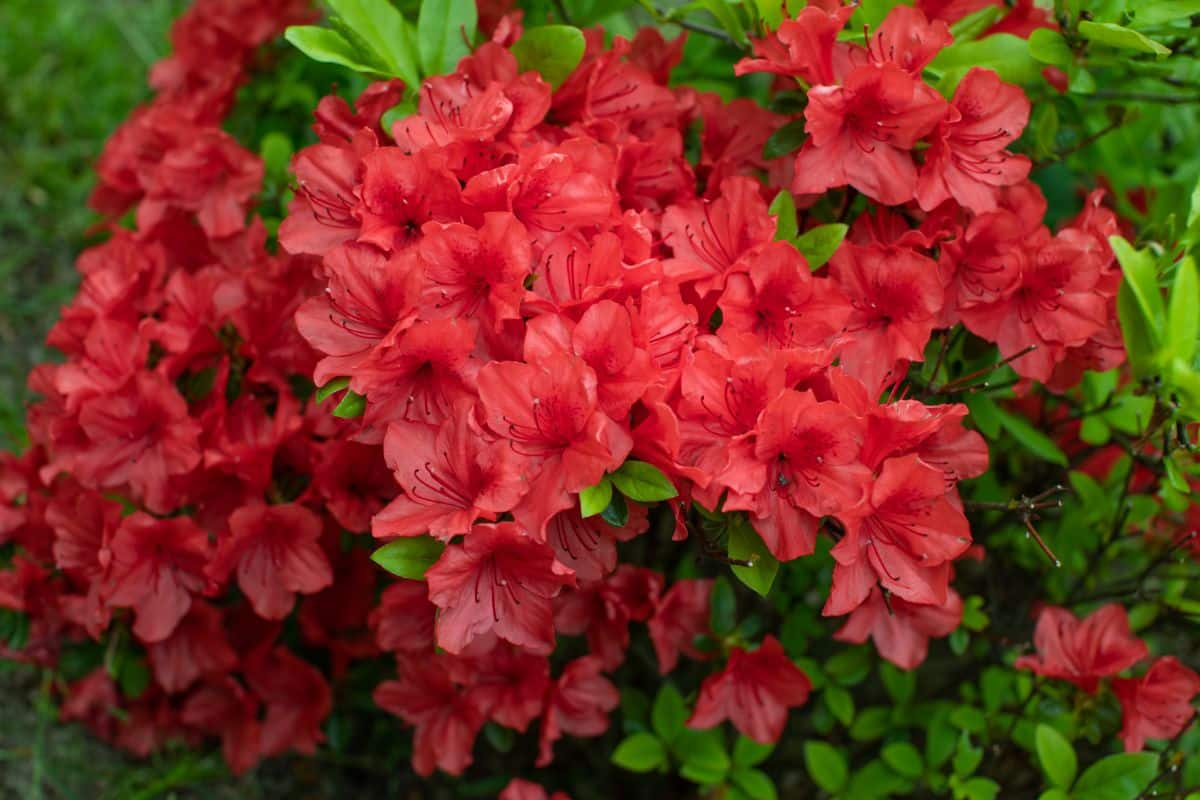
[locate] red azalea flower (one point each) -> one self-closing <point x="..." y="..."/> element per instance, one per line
<point x="451" y="476"/>
<point x="422" y="376"/>
<point x="320" y="217"/>
<point x="908" y="40"/>
<point x="1054" y="306"/>
<point x="208" y="174"/>
<point x="1083" y="651"/>
<point x="446" y="719"/>
<point x="158" y="564"/>
<point x="403" y="620"/>
<point x="508" y="684"/>
<point x="370" y="300"/>
<point x="603" y="610"/>
<point x="296" y="697"/>
<point x="1157" y="705"/>
<point x="608" y="338"/>
<point x="862" y="133"/>
<point x="907" y="531"/>
<point x="224" y="708"/>
<point x="518" y="789"/>
<point x="901" y="630"/>
<point x="399" y="194"/>
<point x="276" y="554"/>
<point x="578" y="704"/>
<point x="196" y="648"/>
<point x="805" y="47"/>
<point x="588" y="547"/>
<point x="573" y="271"/>
<point x="497" y="580"/>
<point x="549" y="412"/>
<point x="896" y="296"/>
<point x="810" y="450"/>
<point x="139" y="437"/>
<point x="754" y="692"/>
<point x="967" y="159"/>
<point x="707" y="238"/>
<point x="779" y="300"/>
<point x="680" y="617"/>
<point x="475" y="272"/>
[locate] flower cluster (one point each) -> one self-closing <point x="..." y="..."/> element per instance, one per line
<point x="566" y="323"/>
<point x="1047" y="300"/>
<point x="181" y="497"/>
<point x="1156" y="705"/>
<point x="532" y="288"/>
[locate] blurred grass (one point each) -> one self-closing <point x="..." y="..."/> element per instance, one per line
<point x="70" y="71"/>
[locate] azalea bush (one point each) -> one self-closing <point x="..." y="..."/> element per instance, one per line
<point x="725" y="400"/>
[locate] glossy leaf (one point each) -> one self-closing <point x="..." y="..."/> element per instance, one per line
<point x="553" y="51"/>
<point x="445" y="29"/>
<point x="409" y="557"/>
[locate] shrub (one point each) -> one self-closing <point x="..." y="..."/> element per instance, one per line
<point x="575" y="377"/>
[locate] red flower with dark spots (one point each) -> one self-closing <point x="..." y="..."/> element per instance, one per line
<point x="498" y="580"/>
<point x="862" y="133"/>
<point x="399" y="194"/>
<point x="451" y="476"/>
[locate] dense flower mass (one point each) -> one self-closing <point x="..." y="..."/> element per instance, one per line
<point x="522" y="298"/>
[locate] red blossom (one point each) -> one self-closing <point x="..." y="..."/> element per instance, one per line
<point x="754" y="692"/>
<point x="498" y="580"/>
<point x="1083" y="651"/>
<point x="1157" y="705"/>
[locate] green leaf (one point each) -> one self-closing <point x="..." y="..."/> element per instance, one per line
<point x="352" y="406"/>
<point x="594" y="499"/>
<point x="669" y="713"/>
<point x="984" y="413"/>
<point x="1056" y="755"/>
<point x="1183" y="312"/>
<point x="1141" y="339"/>
<point x="825" y="764"/>
<point x="904" y="758"/>
<point x="445" y="29"/>
<point x="722" y="605"/>
<point x="643" y="482"/>
<point x="1160" y="11"/>
<point x="1119" y="777"/>
<point x="818" y="244"/>
<point x="966" y="757"/>
<point x="385" y="31"/>
<point x="1122" y="38"/>
<point x="784" y="141"/>
<point x="783" y="208"/>
<point x="330" y="47"/>
<point x="900" y="683"/>
<point x="1049" y="47"/>
<point x="1031" y="438"/>
<point x="641" y="752"/>
<point x="871" y="723"/>
<point x="133" y="678"/>
<point x="840" y="703"/>
<point x="972" y="26"/>
<point x="727" y="16"/>
<point x="1005" y="54"/>
<point x="746" y="545"/>
<point x="617" y="511"/>
<point x="553" y="51"/>
<point x="275" y="149"/>
<point x="1142" y="276"/>
<point x="981" y="789"/>
<point x="749" y="753"/>
<point x="333" y="387"/>
<point x="755" y="783"/>
<point x="409" y="557"/>
<point x="703" y="753"/>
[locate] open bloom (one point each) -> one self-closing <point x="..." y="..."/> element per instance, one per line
<point x="498" y="580"/>
<point x="1083" y="651"/>
<point x="754" y="692"/>
<point x="1157" y="705"/>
